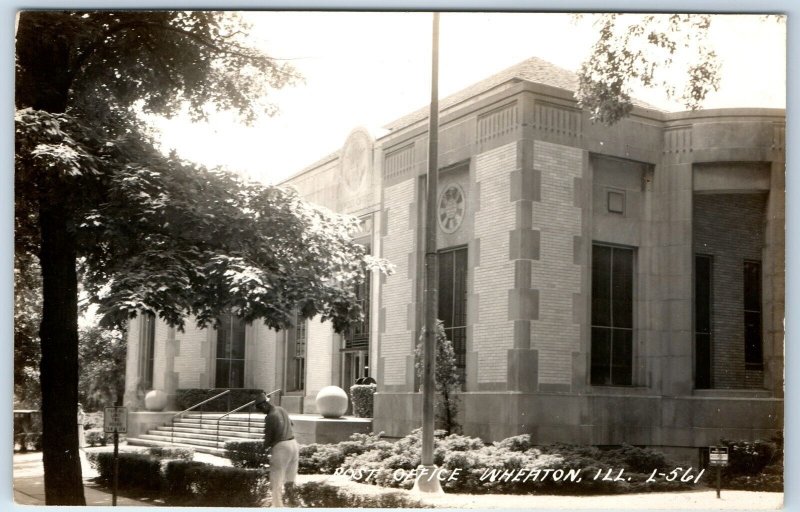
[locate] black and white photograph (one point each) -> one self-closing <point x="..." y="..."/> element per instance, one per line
<point x="399" y="259"/>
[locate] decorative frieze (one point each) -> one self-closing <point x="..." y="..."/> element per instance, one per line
<point x="678" y="139"/>
<point x="557" y="120"/>
<point x="398" y="163"/>
<point x="498" y="122"/>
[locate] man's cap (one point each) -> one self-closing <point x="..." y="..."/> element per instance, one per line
<point x="261" y="398"/>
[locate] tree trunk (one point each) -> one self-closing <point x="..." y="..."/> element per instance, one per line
<point x="63" y="483"/>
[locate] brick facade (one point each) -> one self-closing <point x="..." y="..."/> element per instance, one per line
<point x="730" y="229"/>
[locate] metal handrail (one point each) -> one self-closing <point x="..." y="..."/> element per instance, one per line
<point x="172" y="421"/>
<point x="248" y="404"/>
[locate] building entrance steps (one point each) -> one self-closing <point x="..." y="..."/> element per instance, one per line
<point x="199" y="430"/>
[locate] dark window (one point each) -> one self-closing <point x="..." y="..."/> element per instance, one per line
<point x="453" y="302"/>
<point x="753" y="347"/>
<point x="296" y="355"/>
<point x="357" y="337"/>
<point x="702" y="321"/>
<point x="612" y="315"/>
<point x="148" y="341"/>
<point x="230" y="353"/>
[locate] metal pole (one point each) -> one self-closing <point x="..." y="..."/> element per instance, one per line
<point x="116" y="469"/>
<point x="427" y="484"/>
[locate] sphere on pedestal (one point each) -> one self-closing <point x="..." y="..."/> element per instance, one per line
<point x="155" y="400"/>
<point x="331" y="402"/>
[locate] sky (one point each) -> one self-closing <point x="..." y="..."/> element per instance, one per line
<point x="368" y="69"/>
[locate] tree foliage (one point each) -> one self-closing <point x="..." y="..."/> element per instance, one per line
<point x="644" y="49"/>
<point x="101" y="359"/>
<point x="148" y="231"/>
<point x="446" y="377"/>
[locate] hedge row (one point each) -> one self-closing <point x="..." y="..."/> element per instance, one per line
<point x="182" y="481"/>
<point x="247" y="454"/>
<point x="237" y="397"/>
<point x="754" y="465"/>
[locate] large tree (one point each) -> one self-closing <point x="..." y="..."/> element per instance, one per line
<point x="666" y="51"/>
<point x="144" y="231"/>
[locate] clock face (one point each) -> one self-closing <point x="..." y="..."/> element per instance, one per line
<point x="451" y="208"/>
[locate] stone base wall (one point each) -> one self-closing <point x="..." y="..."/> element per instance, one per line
<point x="611" y="419"/>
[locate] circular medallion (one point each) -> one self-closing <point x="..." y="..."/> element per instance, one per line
<point x="451" y="208"/>
<point x="356" y="159"/>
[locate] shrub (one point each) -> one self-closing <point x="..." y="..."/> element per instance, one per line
<point x="446" y="378"/>
<point x="136" y="471"/>
<point x="177" y="483"/>
<point x="754" y="465"/>
<point x="363" y="396"/>
<point x="481" y="467"/>
<point x="95" y="437"/>
<point x="319" y="494"/>
<point x="247" y="454"/>
<point x="170" y="452"/>
<point x="226" y="486"/>
<point x="186" y="398"/>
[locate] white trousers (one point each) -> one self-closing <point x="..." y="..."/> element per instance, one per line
<point x="282" y="468"/>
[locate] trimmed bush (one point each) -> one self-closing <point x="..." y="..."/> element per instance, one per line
<point x="95" y="437"/>
<point x="321" y="495"/>
<point x="169" y="452"/>
<point x="136" y="471"/>
<point x="754" y="465"/>
<point x="178" y="485"/>
<point x="247" y="454"/>
<point x="325" y="458"/>
<point x="226" y="486"/>
<point x="186" y="398"/>
<point x="363" y="397"/>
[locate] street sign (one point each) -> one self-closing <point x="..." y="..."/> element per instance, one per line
<point x="115" y="419"/>
<point x="717" y="455"/>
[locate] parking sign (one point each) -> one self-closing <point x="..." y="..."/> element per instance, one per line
<point x="115" y="419"/>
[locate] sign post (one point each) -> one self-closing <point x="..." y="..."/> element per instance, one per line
<point x="718" y="457"/>
<point x="115" y="421"/>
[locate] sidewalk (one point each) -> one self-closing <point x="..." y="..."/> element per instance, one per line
<point x="29" y="483"/>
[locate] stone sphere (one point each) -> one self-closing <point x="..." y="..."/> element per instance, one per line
<point x="331" y="402"/>
<point x="155" y="400"/>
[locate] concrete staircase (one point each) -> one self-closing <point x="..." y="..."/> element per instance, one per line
<point x="204" y="432"/>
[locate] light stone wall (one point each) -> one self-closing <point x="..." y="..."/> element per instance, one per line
<point x="262" y="359"/>
<point x="555" y="334"/>
<point x="397" y="292"/>
<point x="493" y="332"/>
<point x="132" y="362"/>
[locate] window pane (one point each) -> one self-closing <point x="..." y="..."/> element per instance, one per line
<point x="222" y="376"/>
<point x="224" y="337"/>
<point x="752" y="337"/>
<point x="237" y="338"/>
<point x="702" y="374"/>
<point x="702" y="294"/>
<point x="236" y="374"/>
<point x="601" y="285"/>
<point x="621" y="357"/>
<point x="601" y="356"/>
<point x="752" y="286"/>
<point x="622" y="288"/>
<point x="446" y="270"/>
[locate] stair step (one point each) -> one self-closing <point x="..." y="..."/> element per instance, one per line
<point x="136" y="441"/>
<point x="192" y="441"/>
<point x="209" y="434"/>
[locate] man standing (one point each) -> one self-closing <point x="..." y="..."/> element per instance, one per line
<point x="279" y="439"/>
